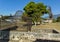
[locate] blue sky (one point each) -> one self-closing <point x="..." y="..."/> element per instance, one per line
<point x="11" y="6"/>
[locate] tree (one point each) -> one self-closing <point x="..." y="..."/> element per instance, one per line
<point x="58" y="19"/>
<point x="24" y="16"/>
<point x="54" y="20"/>
<point x="5" y="17"/>
<point x="35" y="11"/>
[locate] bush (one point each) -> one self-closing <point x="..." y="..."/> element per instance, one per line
<point x="54" y="20"/>
<point x="58" y="19"/>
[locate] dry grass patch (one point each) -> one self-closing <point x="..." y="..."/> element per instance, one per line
<point x="48" y="25"/>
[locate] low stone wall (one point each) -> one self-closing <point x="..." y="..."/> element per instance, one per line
<point x="32" y="36"/>
<point x="38" y="30"/>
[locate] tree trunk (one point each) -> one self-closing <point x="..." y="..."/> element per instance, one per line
<point x="35" y="23"/>
<point x="38" y="23"/>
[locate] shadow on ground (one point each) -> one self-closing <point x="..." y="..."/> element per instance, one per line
<point x="40" y="40"/>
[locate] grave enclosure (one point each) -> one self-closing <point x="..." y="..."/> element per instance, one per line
<point x="43" y="35"/>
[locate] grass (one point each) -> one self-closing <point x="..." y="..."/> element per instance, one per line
<point x="42" y="26"/>
<point x="48" y="25"/>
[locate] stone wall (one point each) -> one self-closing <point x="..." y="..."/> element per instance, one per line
<point x="28" y="36"/>
<point x="39" y="30"/>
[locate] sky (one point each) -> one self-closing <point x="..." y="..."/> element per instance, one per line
<point x="8" y="7"/>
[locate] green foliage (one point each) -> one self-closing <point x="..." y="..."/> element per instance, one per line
<point x="54" y="20"/>
<point x="58" y="19"/>
<point x="24" y="16"/>
<point x="35" y="10"/>
<point x="5" y="17"/>
<point x="30" y="8"/>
